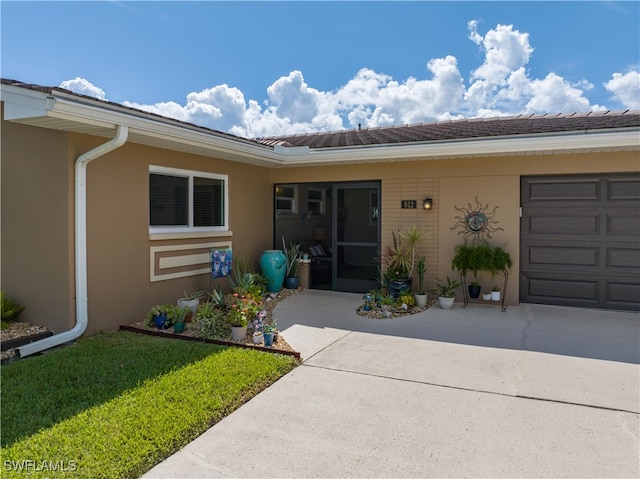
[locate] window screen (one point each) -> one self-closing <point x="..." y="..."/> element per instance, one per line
<point x="208" y="202"/>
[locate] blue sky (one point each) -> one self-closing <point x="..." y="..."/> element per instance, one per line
<point x="270" y="68"/>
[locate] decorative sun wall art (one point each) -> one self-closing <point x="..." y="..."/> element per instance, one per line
<point x="477" y="222"/>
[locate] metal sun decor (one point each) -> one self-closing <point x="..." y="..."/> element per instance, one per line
<point x="477" y="222"/>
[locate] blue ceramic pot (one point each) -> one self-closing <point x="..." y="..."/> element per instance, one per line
<point x="274" y="266"/>
<point x="474" y="291"/>
<point x="268" y="339"/>
<point x="161" y="321"/>
<point x="398" y="286"/>
<point x="292" y="282"/>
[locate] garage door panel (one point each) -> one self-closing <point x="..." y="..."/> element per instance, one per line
<point x="580" y="240"/>
<point x="623" y="189"/>
<point x="623" y="224"/>
<point x="567" y="256"/>
<point x="563" y="288"/>
<point x="564" y="188"/>
<point x="624" y="258"/>
<point x="561" y="292"/>
<point x="571" y="225"/>
<point x="622" y="295"/>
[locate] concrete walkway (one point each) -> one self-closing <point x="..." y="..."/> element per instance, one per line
<point x="536" y="391"/>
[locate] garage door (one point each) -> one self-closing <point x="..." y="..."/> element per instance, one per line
<point x="580" y="241"/>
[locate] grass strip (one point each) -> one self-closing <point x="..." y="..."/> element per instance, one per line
<point x="132" y="427"/>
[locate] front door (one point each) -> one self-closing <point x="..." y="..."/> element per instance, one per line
<point x="356" y="236"/>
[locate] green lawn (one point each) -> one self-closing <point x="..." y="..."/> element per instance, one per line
<point x="115" y="404"/>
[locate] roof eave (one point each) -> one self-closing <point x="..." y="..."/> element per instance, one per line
<point x="58" y="112"/>
<point x="574" y="142"/>
<point x="62" y="111"/>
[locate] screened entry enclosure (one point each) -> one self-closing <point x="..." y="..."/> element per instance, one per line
<point x="338" y="225"/>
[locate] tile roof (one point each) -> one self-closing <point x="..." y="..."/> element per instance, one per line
<point x="462" y="129"/>
<point x="519" y="125"/>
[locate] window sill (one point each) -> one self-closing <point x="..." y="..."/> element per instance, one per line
<point x="189" y="235"/>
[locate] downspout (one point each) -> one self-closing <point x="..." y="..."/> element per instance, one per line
<point x="82" y="316"/>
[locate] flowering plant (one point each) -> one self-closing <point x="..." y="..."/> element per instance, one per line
<point x="241" y="309"/>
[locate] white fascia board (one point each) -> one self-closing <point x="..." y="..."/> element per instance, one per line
<point x="156" y="128"/>
<point x="595" y="141"/>
<point x="21" y="103"/>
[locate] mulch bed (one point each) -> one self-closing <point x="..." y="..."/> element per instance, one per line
<point x="18" y="334"/>
<point x="377" y="313"/>
<point x="192" y="333"/>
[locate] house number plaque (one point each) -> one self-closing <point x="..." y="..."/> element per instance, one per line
<point x="409" y="204"/>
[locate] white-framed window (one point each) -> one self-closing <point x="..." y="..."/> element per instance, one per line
<point x="286" y="199"/>
<point x="184" y="200"/>
<point x="316" y="201"/>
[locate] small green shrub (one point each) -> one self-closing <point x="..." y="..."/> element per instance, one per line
<point x="10" y="308"/>
<point x="408" y="299"/>
<point x="211" y="322"/>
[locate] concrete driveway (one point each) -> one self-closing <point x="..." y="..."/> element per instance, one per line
<point x="536" y="391"/>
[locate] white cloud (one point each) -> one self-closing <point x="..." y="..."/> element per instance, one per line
<point x="626" y="89"/>
<point x="500" y="85"/>
<point x="83" y="87"/>
<point x="553" y="93"/>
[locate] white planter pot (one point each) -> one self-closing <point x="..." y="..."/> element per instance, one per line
<point x="239" y="333"/>
<point x="446" y="303"/>
<point x="192" y="304"/>
<point x="495" y="295"/>
<point x="257" y="338"/>
<point x="486" y="296"/>
<point x="421" y="300"/>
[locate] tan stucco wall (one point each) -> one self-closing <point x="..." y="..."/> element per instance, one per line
<point x="38" y="267"/>
<point x="37" y="221"/>
<point x="37" y="216"/>
<point x="457" y="182"/>
<point x="119" y="244"/>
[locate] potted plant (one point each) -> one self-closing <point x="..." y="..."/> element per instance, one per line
<point x="178" y="316"/>
<point x="486" y="295"/>
<point x="421" y="294"/>
<point x="475" y="289"/>
<point x="268" y="332"/>
<point x="192" y="301"/>
<point x="446" y="292"/>
<point x="500" y="261"/>
<point x="495" y="293"/>
<point x="291" y="253"/>
<point x="399" y="259"/>
<point x="472" y="258"/>
<point x="240" y="310"/>
<point x="160" y="316"/>
<point x="257" y="337"/>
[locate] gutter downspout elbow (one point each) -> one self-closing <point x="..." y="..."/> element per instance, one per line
<point x="82" y="315"/>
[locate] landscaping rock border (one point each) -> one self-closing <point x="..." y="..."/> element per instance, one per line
<point x="162" y="334"/>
